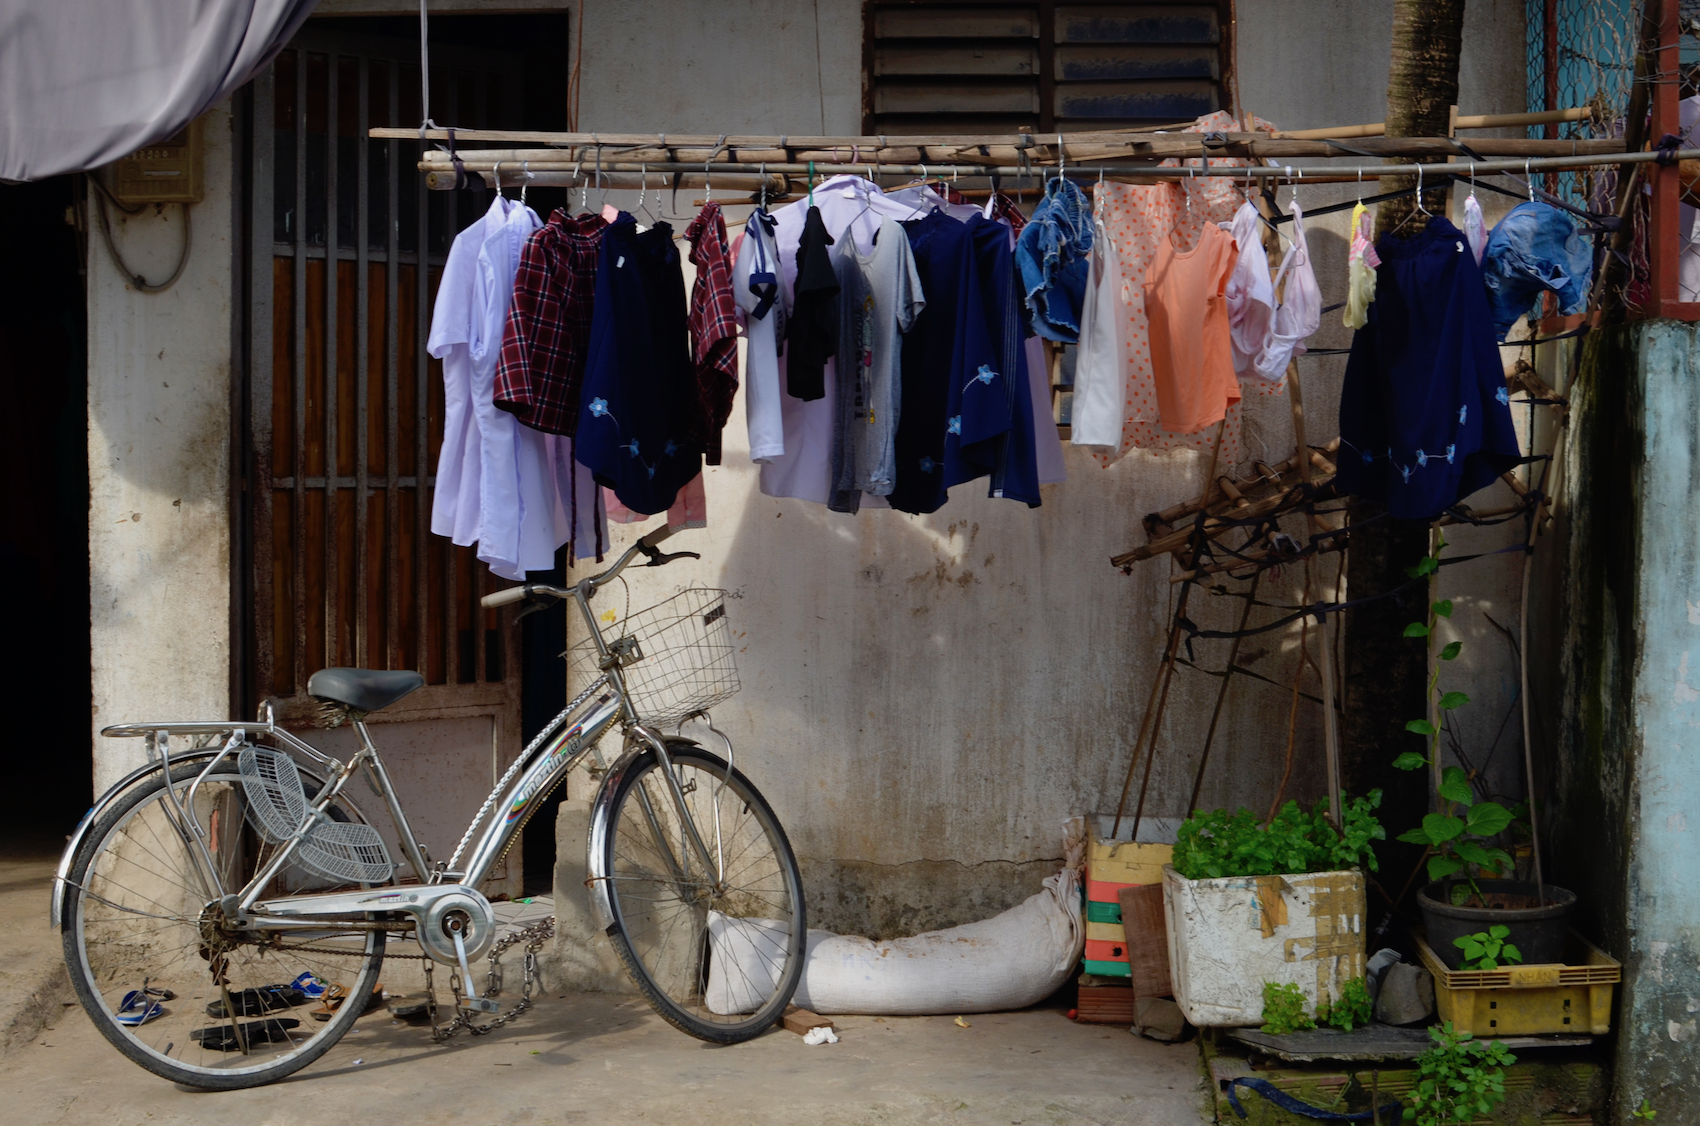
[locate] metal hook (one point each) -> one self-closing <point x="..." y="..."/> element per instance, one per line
<point x="1360" y="184"/>
<point x="764" y="185"/>
<point x="496" y="176"/>
<point x="1530" y="180"/>
<point x="525" y="166"/>
<point x="643" y="184"/>
<point x="1062" y="157"/>
<point x="707" y="182"/>
<point x="1420" y="205"/>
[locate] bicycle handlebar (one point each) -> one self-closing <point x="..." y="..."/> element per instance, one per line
<point x="644" y="546"/>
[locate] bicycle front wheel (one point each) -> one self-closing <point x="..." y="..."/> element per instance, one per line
<point x="716" y="944"/>
<point x="162" y="975"/>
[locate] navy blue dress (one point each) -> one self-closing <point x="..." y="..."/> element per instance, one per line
<point x="635" y="408"/>
<point x="1424" y="416"/>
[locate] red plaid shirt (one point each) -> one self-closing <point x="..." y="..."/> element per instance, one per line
<point x="714" y="329"/>
<point x="543" y="352"/>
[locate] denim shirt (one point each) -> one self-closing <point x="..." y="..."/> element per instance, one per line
<point x="1533" y="249"/>
<point x="1051" y="254"/>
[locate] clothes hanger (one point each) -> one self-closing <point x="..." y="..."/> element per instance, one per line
<point x="1419" y="208"/>
<point x="609" y="211"/>
<point x="496" y="178"/>
<point x="525" y="166"/>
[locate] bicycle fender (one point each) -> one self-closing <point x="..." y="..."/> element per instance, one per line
<point x="59" y="888"/>
<point x="601" y="811"/>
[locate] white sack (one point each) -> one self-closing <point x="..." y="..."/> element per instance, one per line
<point x="1009" y="961"/>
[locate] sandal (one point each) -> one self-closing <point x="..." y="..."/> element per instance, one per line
<point x="330" y="1000"/>
<point x="222" y="1037"/>
<point x="337" y="993"/>
<point x="257" y="1002"/>
<point x="139" y="1006"/>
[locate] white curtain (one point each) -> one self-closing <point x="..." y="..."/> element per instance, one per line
<point x="84" y="82"/>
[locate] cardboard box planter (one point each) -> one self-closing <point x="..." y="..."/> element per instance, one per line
<point x="1229" y="936"/>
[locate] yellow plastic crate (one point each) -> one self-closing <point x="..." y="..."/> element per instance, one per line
<point x="1572" y="996"/>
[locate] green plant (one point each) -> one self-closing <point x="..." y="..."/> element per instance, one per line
<point x="1484" y="950"/>
<point x="1459" y="1079"/>
<point x="1644" y="1111"/>
<point x="1459" y="836"/>
<point x="1216" y="844"/>
<point x="1284" y="1009"/>
<point x="1352" y="1010"/>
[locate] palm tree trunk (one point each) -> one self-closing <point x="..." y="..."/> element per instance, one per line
<point x="1422" y="88"/>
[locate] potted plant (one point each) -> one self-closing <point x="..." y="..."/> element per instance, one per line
<point x="1469" y="896"/>
<point x="1252" y="905"/>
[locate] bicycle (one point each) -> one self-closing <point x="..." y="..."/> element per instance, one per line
<point x="225" y="910"/>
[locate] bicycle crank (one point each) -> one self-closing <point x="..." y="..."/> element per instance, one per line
<point x="452" y="922"/>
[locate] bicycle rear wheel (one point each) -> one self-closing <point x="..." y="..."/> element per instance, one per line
<point x="718" y="957"/>
<point x="161" y="975"/>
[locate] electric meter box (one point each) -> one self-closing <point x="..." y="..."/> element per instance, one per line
<point x="166" y="172"/>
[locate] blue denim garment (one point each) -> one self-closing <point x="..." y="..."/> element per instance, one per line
<point x="1052" y="257"/>
<point x="1534" y="249"/>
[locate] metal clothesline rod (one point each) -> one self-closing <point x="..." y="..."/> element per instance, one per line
<point x="441" y="175"/>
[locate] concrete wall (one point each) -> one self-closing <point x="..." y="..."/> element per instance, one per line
<point x="1626" y="761"/>
<point x="159" y="466"/>
<point x="926" y="699"/>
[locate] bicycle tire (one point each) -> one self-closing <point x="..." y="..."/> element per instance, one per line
<point x="676" y="969"/>
<point x="112" y="946"/>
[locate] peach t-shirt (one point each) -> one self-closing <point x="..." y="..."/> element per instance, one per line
<point x="1186" y="302"/>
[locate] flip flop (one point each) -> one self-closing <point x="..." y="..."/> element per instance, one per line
<point x="310" y="984"/>
<point x="331" y="999"/>
<point x="257" y="1002"/>
<point x="222" y="1038"/>
<point x="138" y="1007"/>
<point x="405" y="1005"/>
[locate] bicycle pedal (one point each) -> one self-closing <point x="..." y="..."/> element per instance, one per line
<point x="480" y="1005"/>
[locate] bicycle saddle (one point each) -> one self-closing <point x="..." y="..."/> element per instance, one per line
<point x="364" y="690"/>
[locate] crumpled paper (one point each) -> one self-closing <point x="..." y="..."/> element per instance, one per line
<point x="821" y="1035"/>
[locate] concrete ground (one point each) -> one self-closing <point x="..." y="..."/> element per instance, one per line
<point x="599" y="1058"/>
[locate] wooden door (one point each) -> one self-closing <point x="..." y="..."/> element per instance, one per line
<point x="344" y="413"/>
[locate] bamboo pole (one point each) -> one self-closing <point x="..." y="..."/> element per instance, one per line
<point x="440" y="175"/>
<point x="1465" y="121"/>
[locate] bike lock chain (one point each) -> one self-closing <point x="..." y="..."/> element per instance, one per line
<point x="533" y="936"/>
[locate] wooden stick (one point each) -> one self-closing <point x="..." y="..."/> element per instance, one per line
<point x="1165" y="673"/>
<point x="1329" y="736"/>
<point x="1222" y="696"/>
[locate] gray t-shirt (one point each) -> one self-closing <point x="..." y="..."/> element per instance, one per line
<point x="880" y="297"/>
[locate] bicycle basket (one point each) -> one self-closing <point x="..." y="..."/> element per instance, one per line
<point x="687" y="664"/>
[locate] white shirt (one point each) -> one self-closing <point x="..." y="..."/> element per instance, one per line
<point x="763" y="392"/>
<point x="502" y="485"/>
<point x="1100" y="370"/>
